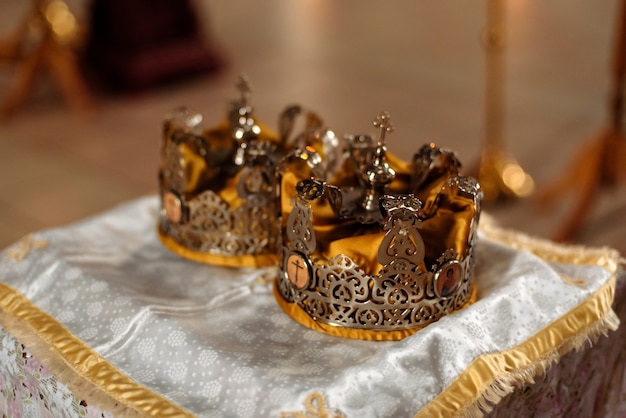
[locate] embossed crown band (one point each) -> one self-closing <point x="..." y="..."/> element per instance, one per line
<point x="383" y="250"/>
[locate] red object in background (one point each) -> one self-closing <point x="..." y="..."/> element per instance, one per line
<point x="136" y="44"/>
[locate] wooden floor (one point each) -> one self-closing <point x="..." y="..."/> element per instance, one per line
<point x="422" y="61"/>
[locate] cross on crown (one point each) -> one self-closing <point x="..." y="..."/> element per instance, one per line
<point x="243" y="85"/>
<point x="383" y="122"/>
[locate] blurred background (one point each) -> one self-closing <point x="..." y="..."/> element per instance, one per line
<point x="71" y="149"/>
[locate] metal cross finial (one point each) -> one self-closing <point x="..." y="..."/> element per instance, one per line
<point x="383" y="121"/>
<point x="243" y="85"/>
<point x="377" y="174"/>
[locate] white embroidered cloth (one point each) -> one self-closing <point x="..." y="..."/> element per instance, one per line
<point x="214" y="341"/>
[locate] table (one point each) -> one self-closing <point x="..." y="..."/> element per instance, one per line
<point x="98" y="319"/>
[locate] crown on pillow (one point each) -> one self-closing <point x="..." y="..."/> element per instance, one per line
<point x="384" y="247"/>
<point x="219" y="199"/>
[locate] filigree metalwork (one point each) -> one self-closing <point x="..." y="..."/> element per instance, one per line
<point x="300" y="227"/>
<point x="215" y="228"/>
<point x="401" y="296"/>
<point x="405" y="292"/>
<point x="218" y="186"/>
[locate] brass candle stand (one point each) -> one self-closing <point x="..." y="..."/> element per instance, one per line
<point x="499" y="174"/>
<point x="601" y="161"/>
<point x="45" y="43"/>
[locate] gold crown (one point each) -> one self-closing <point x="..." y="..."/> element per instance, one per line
<point x="219" y="200"/>
<point x="383" y="248"/>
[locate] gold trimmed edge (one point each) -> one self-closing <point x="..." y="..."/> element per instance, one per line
<point x="77" y="365"/>
<point x="248" y="260"/>
<point x="605" y="257"/>
<point x="491" y="377"/>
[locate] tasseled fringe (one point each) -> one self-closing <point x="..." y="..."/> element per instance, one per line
<point x="605" y="257"/>
<point x="64" y="372"/>
<point x="80" y="385"/>
<point x="506" y="384"/>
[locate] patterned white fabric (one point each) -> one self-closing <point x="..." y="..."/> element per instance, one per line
<point x="29" y="389"/>
<point x="214" y="341"/>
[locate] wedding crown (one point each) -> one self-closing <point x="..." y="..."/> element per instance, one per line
<point x="219" y="200"/>
<point x="383" y="248"/>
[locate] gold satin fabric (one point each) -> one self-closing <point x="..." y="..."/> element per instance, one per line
<point x="201" y="176"/>
<point x="70" y="358"/>
<point x="446" y="225"/>
<point x="483" y="372"/>
<point x="592" y="317"/>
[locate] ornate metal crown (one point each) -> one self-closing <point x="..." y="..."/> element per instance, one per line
<point x="219" y="200"/>
<point x="383" y="248"/>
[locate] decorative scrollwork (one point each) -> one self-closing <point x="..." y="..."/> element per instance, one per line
<point x="403" y="295"/>
<point x="390" y="261"/>
<point x="342" y="294"/>
<point x="215" y="228"/>
<point x="300" y="227"/>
